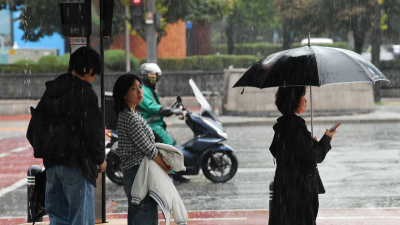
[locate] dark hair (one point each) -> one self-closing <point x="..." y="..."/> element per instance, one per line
<point x="84" y="59"/>
<point x="288" y="99"/>
<point x="121" y="87"/>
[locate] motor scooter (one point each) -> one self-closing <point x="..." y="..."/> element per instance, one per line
<point x="205" y="150"/>
<point x="113" y="171"/>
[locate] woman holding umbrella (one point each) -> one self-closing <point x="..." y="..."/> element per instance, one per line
<point x="297" y="182"/>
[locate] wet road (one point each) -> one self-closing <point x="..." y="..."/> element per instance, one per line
<point x="361" y="171"/>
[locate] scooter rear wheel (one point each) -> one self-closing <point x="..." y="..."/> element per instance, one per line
<point x="219" y="167"/>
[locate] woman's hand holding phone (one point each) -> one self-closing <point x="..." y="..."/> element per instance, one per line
<point x="332" y="131"/>
<point x="330" y="134"/>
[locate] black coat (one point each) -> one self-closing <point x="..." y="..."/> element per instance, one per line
<point x="79" y="98"/>
<point x="297" y="182"/>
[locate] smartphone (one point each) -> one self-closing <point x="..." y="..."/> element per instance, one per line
<point x="334" y="127"/>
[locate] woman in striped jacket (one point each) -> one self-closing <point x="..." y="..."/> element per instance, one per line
<point x="135" y="141"/>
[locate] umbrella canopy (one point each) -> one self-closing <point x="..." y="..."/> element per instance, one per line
<point x="310" y="66"/>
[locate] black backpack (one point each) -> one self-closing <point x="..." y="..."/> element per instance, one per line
<point x="52" y="132"/>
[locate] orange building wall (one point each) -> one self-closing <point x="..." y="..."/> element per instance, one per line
<point x="173" y="45"/>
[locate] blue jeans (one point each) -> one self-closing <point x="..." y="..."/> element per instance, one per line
<point x="69" y="196"/>
<point x="146" y="212"/>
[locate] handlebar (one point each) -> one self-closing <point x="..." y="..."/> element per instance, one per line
<point x="177" y="102"/>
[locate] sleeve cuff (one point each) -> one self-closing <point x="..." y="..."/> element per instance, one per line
<point x="326" y="141"/>
<point x="100" y="161"/>
<point x="154" y="155"/>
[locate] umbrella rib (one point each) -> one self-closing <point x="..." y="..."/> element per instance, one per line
<point x="316" y="64"/>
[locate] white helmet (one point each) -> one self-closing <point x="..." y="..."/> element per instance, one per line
<point x="147" y="68"/>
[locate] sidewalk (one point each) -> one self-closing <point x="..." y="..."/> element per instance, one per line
<point x="258" y="217"/>
<point x="383" y="114"/>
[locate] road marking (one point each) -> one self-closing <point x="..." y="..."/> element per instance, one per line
<point x="14" y="186"/>
<point x="20" y="149"/>
<point x="4" y="154"/>
<point x="13" y="128"/>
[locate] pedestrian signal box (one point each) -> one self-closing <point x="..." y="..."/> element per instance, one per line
<point x="76" y="18"/>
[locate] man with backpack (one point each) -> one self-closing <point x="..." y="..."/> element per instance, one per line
<point x="66" y="130"/>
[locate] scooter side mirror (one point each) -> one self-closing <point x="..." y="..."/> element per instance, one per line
<point x="179" y="99"/>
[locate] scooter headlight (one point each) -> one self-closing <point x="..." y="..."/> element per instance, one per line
<point x="219" y="131"/>
<point x="223" y="134"/>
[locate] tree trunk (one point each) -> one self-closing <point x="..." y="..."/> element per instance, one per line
<point x="287" y="39"/>
<point x="229" y="34"/>
<point x="359" y="37"/>
<point x="202" y="42"/>
<point x="376" y="47"/>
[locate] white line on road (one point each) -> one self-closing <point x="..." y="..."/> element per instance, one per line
<point x="4" y="154"/>
<point x="14" y="186"/>
<point x="20" y="149"/>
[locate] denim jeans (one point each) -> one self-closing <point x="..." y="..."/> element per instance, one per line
<point x="69" y="197"/>
<point x="146" y="212"/>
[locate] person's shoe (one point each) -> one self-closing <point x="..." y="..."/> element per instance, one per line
<point x="183" y="179"/>
<point x="176" y="178"/>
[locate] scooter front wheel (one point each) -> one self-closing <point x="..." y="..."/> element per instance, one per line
<point x="220" y="166"/>
<point x="113" y="172"/>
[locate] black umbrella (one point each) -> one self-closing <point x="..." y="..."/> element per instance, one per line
<point x="310" y="66"/>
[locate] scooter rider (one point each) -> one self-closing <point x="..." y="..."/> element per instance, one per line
<point x="152" y="110"/>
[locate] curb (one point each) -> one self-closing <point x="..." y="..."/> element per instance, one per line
<point x="271" y="122"/>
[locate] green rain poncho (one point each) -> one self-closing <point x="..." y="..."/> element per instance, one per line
<point x="150" y="107"/>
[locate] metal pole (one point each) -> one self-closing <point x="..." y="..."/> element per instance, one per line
<point x="103" y="177"/>
<point x="312" y="131"/>
<point x="127" y="42"/>
<point x="32" y="171"/>
<point x="151" y="39"/>
<point x="11" y="23"/>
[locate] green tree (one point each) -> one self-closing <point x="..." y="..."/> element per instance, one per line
<point x="197" y="11"/>
<point x="256" y="16"/>
<point x="40" y="17"/>
<point x="303" y="16"/>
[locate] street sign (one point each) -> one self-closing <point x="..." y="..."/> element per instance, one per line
<point x="78" y="41"/>
<point x="76" y="47"/>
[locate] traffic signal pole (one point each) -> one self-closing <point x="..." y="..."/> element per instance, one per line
<point x="151" y="39"/>
<point x="127" y="42"/>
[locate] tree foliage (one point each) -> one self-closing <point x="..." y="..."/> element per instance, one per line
<point x="327" y="16"/>
<point x="257" y="16"/>
<point x="39" y="18"/>
<point x="249" y="19"/>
